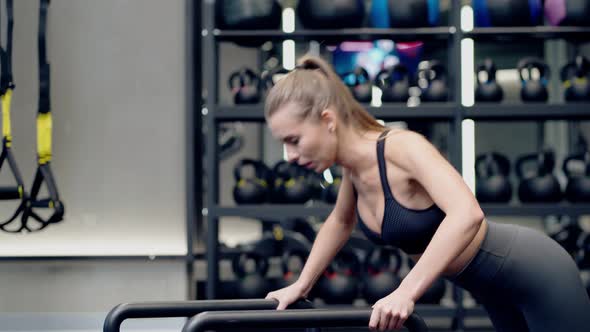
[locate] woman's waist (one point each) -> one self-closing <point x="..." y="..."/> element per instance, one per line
<point x="466" y="256"/>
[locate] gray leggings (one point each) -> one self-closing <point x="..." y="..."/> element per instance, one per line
<point x="526" y="282"/>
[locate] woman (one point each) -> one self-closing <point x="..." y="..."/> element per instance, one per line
<point x="404" y="193"/>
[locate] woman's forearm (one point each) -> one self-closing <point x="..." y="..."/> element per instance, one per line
<point x="452" y="237"/>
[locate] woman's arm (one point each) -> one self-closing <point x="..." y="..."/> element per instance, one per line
<point x="332" y="236"/>
<point x="416" y="155"/>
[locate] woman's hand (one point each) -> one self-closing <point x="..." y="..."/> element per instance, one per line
<point x="391" y="312"/>
<point x="286" y="295"/>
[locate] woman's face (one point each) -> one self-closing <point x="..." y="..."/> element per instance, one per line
<point x="310" y="143"/>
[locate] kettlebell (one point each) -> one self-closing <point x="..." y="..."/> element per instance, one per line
<point x="538" y="185"/>
<point x="582" y="256"/>
<point x="492" y="183"/>
<point x="567" y="12"/>
<point x="434" y="293"/>
<point x="245" y="86"/>
<point x="432" y="79"/>
<point x="269" y="78"/>
<point x="299" y="226"/>
<point x="330" y="192"/>
<point x="292" y="262"/>
<point x="331" y="14"/>
<point x="253" y="187"/>
<point x="487" y="88"/>
<point x="578" y="184"/>
<point x="380" y="267"/>
<point x="359" y="84"/>
<point x="248" y="14"/>
<point x="315" y="183"/>
<point x="291" y="185"/>
<point x="250" y="269"/>
<point x="338" y="284"/>
<point x="534" y="74"/>
<point x="394" y="83"/>
<point x="566" y="232"/>
<point x="574" y="76"/>
<point x="408" y="13"/>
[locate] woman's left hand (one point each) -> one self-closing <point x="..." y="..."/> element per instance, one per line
<point x="391" y="312"/>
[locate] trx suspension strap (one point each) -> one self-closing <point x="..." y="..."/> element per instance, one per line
<point x="6" y="88"/>
<point x="44" y="126"/>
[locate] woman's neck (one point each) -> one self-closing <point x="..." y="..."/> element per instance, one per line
<point x="356" y="149"/>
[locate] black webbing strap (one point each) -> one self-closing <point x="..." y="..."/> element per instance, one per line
<point x="44" y="125"/>
<point x="6" y="88"/>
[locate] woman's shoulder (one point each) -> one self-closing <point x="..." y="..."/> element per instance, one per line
<point x="402" y="144"/>
<point x="401" y="135"/>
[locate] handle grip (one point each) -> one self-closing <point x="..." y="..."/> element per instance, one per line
<point x="7" y="193"/>
<point x="290" y="318"/>
<point x="124" y="311"/>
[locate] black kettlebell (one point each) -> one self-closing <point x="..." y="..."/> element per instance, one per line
<point x="492" y="182"/>
<point x="338" y="284"/>
<point x="315" y="183"/>
<point x="300" y="226"/>
<point x="359" y="83"/>
<point x="408" y="13"/>
<point x="292" y="262"/>
<point x="432" y="79"/>
<point x="394" y="83"/>
<point x="252" y="187"/>
<point x="487" y="88"/>
<point x="248" y="14"/>
<point x="269" y="78"/>
<point x="534" y="74"/>
<point x="564" y="231"/>
<point x="250" y="269"/>
<point x="574" y="76"/>
<point x="291" y="185"/>
<point x="578" y="184"/>
<point x="331" y="14"/>
<point x="245" y="86"/>
<point x="538" y="185"/>
<point x="330" y="192"/>
<point x="434" y="293"/>
<point x="380" y="267"/>
<point x="582" y="255"/>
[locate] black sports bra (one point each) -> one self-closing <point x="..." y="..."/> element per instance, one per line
<point x="407" y="229"/>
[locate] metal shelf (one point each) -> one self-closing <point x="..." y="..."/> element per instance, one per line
<point x="523" y="112"/>
<point x="390" y="111"/>
<point x="537" y="209"/>
<point x="281" y="211"/>
<point x="440" y="33"/>
<point x="271" y="211"/>
<point x="520" y="33"/>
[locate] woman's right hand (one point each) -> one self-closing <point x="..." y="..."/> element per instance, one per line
<point x="286" y="295"/>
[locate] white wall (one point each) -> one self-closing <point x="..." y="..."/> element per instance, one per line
<point x="118" y="102"/>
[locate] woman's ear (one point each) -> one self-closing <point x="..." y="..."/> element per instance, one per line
<point x="328" y="119"/>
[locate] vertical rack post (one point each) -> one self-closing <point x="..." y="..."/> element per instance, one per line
<point x="194" y="161"/>
<point x="456" y="128"/>
<point x="210" y="73"/>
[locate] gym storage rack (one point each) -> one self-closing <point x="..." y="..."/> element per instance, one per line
<point x="451" y="112"/>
